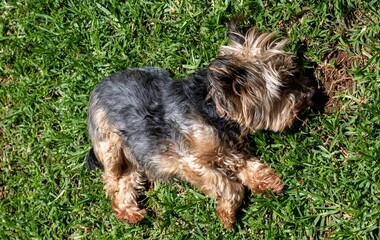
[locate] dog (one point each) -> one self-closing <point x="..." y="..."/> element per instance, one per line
<point x="145" y="125"/>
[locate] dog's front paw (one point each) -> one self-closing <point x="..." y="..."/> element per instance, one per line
<point x="261" y="183"/>
<point x="130" y="215"/>
<point x="260" y="177"/>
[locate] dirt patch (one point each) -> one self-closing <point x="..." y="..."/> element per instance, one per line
<point x="334" y="72"/>
<point x="334" y="76"/>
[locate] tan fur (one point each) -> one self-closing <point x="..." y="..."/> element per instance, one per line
<point x="260" y="177"/>
<point x="257" y="47"/>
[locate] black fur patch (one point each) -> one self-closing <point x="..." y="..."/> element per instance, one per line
<point x="92" y="162"/>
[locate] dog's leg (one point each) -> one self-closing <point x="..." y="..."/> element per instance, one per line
<point x="229" y="193"/>
<point x="124" y="202"/>
<point x="121" y="176"/>
<point x="259" y="177"/>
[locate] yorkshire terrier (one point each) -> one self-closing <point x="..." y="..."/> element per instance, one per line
<point x="145" y="125"/>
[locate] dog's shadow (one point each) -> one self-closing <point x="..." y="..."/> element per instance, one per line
<point x="307" y="70"/>
<point x="320" y="98"/>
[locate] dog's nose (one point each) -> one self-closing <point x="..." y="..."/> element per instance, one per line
<point x="310" y="96"/>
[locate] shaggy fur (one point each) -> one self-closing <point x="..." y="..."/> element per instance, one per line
<point x="145" y="125"/>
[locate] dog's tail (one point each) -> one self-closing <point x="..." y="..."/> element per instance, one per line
<point x="92" y="162"/>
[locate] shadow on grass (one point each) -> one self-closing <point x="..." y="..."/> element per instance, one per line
<point x="320" y="98"/>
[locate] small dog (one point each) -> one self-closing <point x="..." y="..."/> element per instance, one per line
<point x="145" y="125"/>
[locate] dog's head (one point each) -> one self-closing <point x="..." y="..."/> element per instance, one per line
<point x="255" y="82"/>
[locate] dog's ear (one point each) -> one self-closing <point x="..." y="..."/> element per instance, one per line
<point x="236" y="37"/>
<point x="227" y="77"/>
<point x="227" y="74"/>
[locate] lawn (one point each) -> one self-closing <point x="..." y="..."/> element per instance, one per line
<point x="54" y="52"/>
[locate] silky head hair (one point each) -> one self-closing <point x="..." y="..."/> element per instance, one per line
<point x="254" y="81"/>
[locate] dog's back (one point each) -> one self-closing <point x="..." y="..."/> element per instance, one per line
<point x="130" y="102"/>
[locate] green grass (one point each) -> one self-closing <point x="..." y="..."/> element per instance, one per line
<point x="54" y="52"/>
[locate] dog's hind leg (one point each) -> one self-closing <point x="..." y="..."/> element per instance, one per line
<point x="122" y="176"/>
<point x="124" y="202"/>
